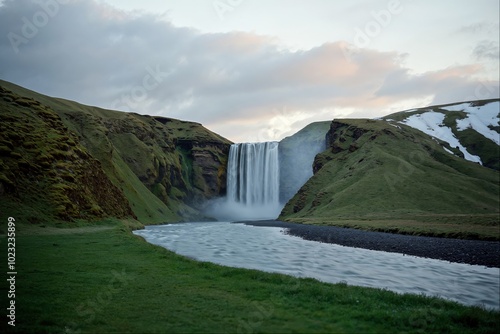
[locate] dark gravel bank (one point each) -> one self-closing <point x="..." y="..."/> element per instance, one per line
<point x="485" y="253"/>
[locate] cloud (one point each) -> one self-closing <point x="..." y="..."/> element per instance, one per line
<point x="480" y="28"/>
<point x="488" y="50"/>
<point x="239" y="84"/>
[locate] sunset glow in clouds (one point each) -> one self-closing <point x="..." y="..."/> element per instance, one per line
<point x="253" y="70"/>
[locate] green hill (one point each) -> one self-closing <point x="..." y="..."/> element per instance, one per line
<point x="64" y="161"/>
<point x="159" y="168"/>
<point x="470" y="130"/>
<point x="382" y="176"/>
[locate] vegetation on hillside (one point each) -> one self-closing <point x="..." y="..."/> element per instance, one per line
<point x="63" y="161"/>
<point x="380" y="172"/>
<point x="164" y="167"/>
<point x="45" y="172"/>
<point x="374" y="174"/>
<point x="475" y="143"/>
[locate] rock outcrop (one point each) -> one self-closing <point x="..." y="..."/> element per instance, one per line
<point x="46" y="171"/>
<point x="373" y="169"/>
<point x="162" y="168"/>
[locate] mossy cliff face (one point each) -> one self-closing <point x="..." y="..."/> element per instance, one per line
<point x="376" y="169"/>
<point x="45" y="172"/>
<point x="164" y="167"/>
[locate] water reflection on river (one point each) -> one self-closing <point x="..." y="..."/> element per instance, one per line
<point x="268" y="249"/>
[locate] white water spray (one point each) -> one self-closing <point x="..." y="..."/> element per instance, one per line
<point x="253" y="189"/>
<point x="253" y="174"/>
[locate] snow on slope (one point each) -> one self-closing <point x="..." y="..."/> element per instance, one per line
<point x="431" y="123"/>
<point x="479" y="118"/>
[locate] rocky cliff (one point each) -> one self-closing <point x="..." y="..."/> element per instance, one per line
<point x="161" y="168"/>
<point x="45" y="172"/>
<point x="373" y="169"/>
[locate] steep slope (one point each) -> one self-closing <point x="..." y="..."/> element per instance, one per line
<point x="45" y="172"/>
<point x="471" y="130"/>
<point x="376" y="170"/>
<point x="296" y="154"/>
<point x="165" y="167"/>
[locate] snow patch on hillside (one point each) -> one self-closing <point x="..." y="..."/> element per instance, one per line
<point x="479" y="118"/>
<point x="457" y="107"/>
<point x="431" y="123"/>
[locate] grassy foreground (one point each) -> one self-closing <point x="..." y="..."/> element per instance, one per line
<point x="104" y="279"/>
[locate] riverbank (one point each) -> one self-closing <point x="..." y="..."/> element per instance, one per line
<point x="474" y="252"/>
<point x="109" y="280"/>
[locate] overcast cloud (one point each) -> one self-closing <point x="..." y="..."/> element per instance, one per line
<point x="239" y="84"/>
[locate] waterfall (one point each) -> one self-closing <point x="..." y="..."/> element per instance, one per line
<point x="253" y="184"/>
<point x="253" y="174"/>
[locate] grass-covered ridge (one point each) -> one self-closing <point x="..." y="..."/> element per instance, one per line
<point x="164" y="167"/>
<point x="381" y="176"/>
<point x="474" y="141"/>
<point x="68" y="286"/>
<point x="46" y="173"/>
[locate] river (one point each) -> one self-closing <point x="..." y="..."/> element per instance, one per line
<point x="269" y="249"/>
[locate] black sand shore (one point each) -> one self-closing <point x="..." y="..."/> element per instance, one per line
<point x="476" y="252"/>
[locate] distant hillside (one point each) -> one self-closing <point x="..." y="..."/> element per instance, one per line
<point x="377" y="169"/>
<point x="162" y="166"/>
<point x="297" y="154"/>
<point x="470" y="130"/>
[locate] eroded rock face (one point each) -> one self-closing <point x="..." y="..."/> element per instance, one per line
<point x="179" y="162"/>
<point x="46" y="160"/>
<point x="160" y="168"/>
<point x="372" y="168"/>
<point x="211" y="163"/>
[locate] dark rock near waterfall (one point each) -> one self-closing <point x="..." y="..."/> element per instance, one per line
<point x="156" y="168"/>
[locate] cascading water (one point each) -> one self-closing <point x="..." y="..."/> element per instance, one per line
<point x="252" y="184"/>
<point x="253" y="174"/>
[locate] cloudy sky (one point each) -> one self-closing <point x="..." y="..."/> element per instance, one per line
<point x="253" y="70"/>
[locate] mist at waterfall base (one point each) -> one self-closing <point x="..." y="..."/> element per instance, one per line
<point x="261" y="178"/>
<point x="252" y="184"/>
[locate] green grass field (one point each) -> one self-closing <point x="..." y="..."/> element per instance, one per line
<point x="103" y="279"/>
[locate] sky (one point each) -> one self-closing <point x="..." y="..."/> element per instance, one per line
<point x="253" y="70"/>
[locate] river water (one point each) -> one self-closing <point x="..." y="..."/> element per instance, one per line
<point x="269" y="249"/>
